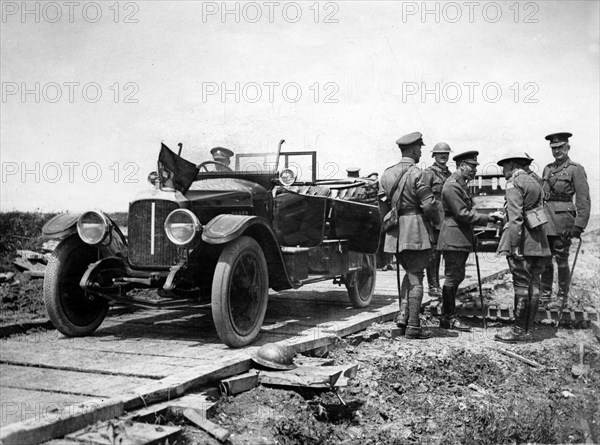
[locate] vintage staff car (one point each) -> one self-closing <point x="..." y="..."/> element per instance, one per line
<point x="218" y="233"/>
<point x="487" y="191"/>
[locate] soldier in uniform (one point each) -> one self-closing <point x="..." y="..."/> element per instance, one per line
<point x="563" y="181"/>
<point x="456" y="233"/>
<point x="530" y="172"/>
<point x="435" y="176"/>
<point x="525" y="246"/>
<point x="222" y="156"/>
<point x="410" y="240"/>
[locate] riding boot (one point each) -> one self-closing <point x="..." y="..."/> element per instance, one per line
<point x="433" y="278"/>
<point x="533" y="306"/>
<point x="402" y="317"/>
<point x="563" y="285"/>
<point x="518" y="333"/>
<point x="449" y="320"/>
<point x="414" y="330"/>
<point x="448" y="307"/>
<point x="546" y="284"/>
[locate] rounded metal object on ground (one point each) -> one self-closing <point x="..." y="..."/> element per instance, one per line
<point x="361" y="283"/>
<point x="240" y="292"/>
<point x="275" y="356"/>
<point x="71" y="310"/>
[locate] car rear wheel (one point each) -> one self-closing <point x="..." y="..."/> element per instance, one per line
<point x="71" y="310"/>
<point x="240" y="292"/>
<point x="361" y="283"/>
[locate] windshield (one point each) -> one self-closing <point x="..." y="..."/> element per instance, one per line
<point x="221" y="159"/>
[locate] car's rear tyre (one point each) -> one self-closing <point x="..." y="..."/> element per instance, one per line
<point x="361" y="283"/>
<point x="73" y="312"/>
<point x="240" y="291"/>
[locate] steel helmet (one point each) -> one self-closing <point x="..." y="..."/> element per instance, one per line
<point x="275" y="356"/>
<point x="440" y="147"/>
<point x="516" y="155"/>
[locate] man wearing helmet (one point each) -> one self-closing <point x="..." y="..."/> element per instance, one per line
<point x="524" y="243"/>
<point x="435" y="176"/>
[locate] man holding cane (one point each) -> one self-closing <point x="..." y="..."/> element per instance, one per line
<point x="565" y="181"/>
<point x="523" y="242"/>
<point x="456" y="234"/>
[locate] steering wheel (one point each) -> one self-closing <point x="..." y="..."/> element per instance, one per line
<point x="215" y="163"/>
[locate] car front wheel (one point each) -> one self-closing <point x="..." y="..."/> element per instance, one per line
<point x="71" y="310"/>
<point x="240" y="292"/>
<point x="361" y="283"/>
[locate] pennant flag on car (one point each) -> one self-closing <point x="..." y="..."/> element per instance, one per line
<point x="174" y="171"/>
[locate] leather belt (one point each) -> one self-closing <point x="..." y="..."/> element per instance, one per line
<point x="560" y="198"/>
<point x="403" y="212"/>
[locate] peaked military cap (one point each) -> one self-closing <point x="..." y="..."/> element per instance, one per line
<point x="470" y="157"/>
<point x="558" y="139"/>
<point x="353" y="171"/>
<point x="516" y="155"/>
<point x="410" y="139"/>
<point x="221" y="153"/>
<point x="441" y="147"/>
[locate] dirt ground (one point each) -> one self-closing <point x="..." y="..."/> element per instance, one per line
<point x="452" y="388"/>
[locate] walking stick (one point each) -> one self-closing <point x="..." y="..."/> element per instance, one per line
<point x="560" y="311"/>
<point x="483" y="310"/>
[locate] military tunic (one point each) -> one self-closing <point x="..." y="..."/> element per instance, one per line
<point x="523" y="193"/>
<point x="411" y="239"/>
<point x="562" y="182"/>
<point x="456" y="232"/>
<point x="435" y="176"/>
<point x="415" y="202"/>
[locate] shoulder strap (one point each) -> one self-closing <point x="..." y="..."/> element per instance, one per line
<point x="402" y="175"/>
<point x="395" y="186"/>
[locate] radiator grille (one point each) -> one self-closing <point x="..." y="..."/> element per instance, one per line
<point x="145" y="249"/>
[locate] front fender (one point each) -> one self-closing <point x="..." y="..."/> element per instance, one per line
<point x="224" y="228"/>
<point x="61" y="226"/>
<point x="64" y="226"/>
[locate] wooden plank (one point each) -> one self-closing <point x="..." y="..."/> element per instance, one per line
<point x="124" y="341"/>
<point x="69" y="382"/>
<point x="200" y="420"/>
<point x="20" y="405"/>
<point x="239" y="383"/>
<point x="198" y="402"/>
<point x="303" y="376"/>
<point x="114" y="363"/>
<point x="131" y="433"/>
<point x="178" y="384"/>
<point x="78" y="417"/>
<point x="302" y="360"/>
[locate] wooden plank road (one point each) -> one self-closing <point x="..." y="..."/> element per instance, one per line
<point x="51" y="385"/>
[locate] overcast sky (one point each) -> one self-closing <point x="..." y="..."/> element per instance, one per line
<point x="89" y="90"/>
